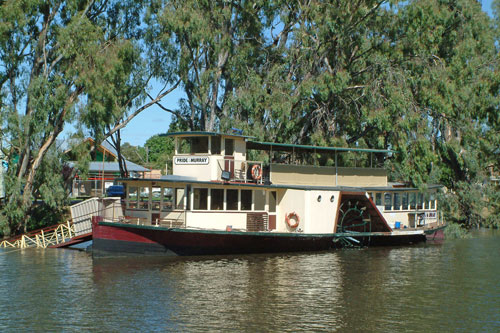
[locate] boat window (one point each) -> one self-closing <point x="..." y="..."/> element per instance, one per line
<point x="156" y="198"/>
<point x="200" y="198"/>
<point x="216" y="199"/>
<point x="144" y="198"/>
<point x="433" y="201"/>
<point x="413" y="200"/>
<point x="132" y="197"/>
<point x="179" y="198"/>
<point x="397" y="201"/>
<point x="420" y="200"/>
<point x="272" y="201"/>
<point x="387" y="201"/>
<point x="231" y="199"/>
<point x="378" y="199"/>
<point x="246" y="199"/>
<point x="215" y="145"/>
<point x="228" y="147"/>
<point x="259" y="200"/>
<point x="193" y="145"/>
<point x="404" y="199"/>
<point x="168" y="198"/>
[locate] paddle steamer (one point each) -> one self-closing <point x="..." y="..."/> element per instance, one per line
<point x="220" y="201"/>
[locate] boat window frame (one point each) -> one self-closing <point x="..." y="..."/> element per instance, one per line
<point x="190" y="145"/>
<point x="432" y="199"/>
<point x="237" y="201"/>
<point x="193" y="190"/>
<point x="251" y="200"/>
<point x="212" y="201"/>
<point x="405" y="198"/>
<point x="129" y="201"/>
<point x="226" y="146"/>
<point x="388" y="200"/>
<point x="413" y="201"/>
<point x="144" y="202"/>
<point x="219" y="146"/>
<point x="396" y="201"/>
<point x="164" y="203"/>
<point x="420" y="201"/>
<point x="254" y="200"/>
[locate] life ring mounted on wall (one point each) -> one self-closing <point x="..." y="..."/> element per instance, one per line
<point x="290" y="217"/>
<point x="256" y="172"/>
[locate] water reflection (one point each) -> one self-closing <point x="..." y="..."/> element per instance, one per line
<point x="429" y="287"/>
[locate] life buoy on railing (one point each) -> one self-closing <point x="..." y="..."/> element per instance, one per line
<point x="256" y="172"/>
<point x="290" y="217"/>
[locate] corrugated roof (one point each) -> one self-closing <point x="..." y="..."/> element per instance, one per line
<point x="114" y="167"/>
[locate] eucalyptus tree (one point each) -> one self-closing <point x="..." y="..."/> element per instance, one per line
<point x="447" y="50"/>
<point x="63" y="62"/>
<point x="212" y="45"/>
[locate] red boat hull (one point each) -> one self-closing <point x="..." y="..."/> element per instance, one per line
<point x="123" y="239"/>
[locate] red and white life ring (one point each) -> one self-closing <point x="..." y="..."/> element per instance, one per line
<point x="290" y="217"/>
<point x="256" y="172"/>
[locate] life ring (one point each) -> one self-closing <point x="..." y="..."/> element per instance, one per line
<point x="291" y="216"/>
<point x="256" y="172"/>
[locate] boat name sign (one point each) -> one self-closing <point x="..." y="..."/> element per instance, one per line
<point x="190" y="160"/>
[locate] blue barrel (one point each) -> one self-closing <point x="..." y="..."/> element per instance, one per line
<point x="397" y="225"/>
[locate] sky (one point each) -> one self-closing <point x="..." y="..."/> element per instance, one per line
<point x="156" y="121"/>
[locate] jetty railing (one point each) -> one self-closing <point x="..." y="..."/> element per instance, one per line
<point x="42" y="238"/>
<point x="78" y="226"/>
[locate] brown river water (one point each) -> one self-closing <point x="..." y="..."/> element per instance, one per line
<point x="434" y="287"/>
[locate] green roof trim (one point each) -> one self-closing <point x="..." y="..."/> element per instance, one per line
<point x="298" y="148"/>
<point x="194" y="133"/>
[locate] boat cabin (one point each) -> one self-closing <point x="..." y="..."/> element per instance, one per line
<point x="231" y="182"/>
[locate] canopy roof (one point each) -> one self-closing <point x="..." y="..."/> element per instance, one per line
<point x="202" y="133"/>
<point x="257" y="145"/>
<point x="305" y="148"/>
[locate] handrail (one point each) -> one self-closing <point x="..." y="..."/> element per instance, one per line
<point x="52" y="235"/>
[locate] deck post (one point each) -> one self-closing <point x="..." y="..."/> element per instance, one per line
<point x="336" y="170"/>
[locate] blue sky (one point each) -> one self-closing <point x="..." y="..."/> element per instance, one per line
<point x="155" y="121"/>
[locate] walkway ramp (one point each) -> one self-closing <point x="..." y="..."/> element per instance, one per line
<point x="74" y="231"/>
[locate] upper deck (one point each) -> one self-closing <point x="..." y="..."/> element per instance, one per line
<point x="218" y="157"/>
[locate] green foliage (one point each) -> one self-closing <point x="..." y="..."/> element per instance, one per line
<point x="418" y="77"/>
<point x="134" y="154"/>
<point x="61" y="62"/>
<point x="454" y="231"/>
<point x="160" y="150"/>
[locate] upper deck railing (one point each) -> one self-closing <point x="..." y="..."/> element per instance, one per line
<point x="241" y="171"/>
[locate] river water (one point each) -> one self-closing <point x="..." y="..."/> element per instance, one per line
<point x="433" y="287"/>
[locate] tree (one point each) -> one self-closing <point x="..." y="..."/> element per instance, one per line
<point x="211" y="44"/>
<point x="160" y="151"/>
<point x="447" y="49"/>
<point x="63" y="62"/>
